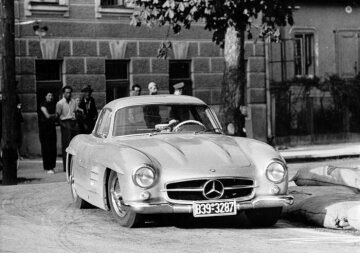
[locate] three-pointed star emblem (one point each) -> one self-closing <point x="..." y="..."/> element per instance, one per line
<point x="213" y="189"/>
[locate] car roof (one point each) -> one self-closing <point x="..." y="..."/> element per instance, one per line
<point x="153" y="99"/>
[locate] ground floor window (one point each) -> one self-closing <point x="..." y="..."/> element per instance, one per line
<point x="48" y="79"/>
<point x="304" y="54"/>
<point x="117" y="79"/>
<point x="180" y="71"/>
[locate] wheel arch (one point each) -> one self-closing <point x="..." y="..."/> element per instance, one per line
<point x="105" y="187"/>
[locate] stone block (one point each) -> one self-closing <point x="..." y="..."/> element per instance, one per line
<point x="131" y="50"/>
<point x="256" y="64"/>
<point x="249" y="49"/>
<point x="217" y="65"/>
<point x="31" y="143"/>
<point x="95" y="65"/>
<point x="256" y="80"/>
<point x="140" y="65"/>
<point x="204" y="95"/>
<point x="193" y="50"/>
<point x="259" y="49"/>
<point x="105" y="49"/>
<point x="20" y="47"/>
<point x="34" y="49"/>
<point x="64" y="49"/>
<point x="207" y="80"/>
<point x="162" y="81"/>
<point x="84" y="48"/>
<point x="258" y="116"/>
<point x="28" y="101"/>
<point x="17" y="66"/>
<point x="83" y="12"/>
<point x="26" y="84"/>
<point x="159" y="66"/>
<point x="216" y="97"/>
<point x="27" y="66"/>
<point x="257" y="96"/>
<point x="100" y="99"/>
<point x="148" y="49"/>
<point x="74" y="65"/>
<point x="209" y="49"/>
<point x="201" y="65"/>
<point x="97" y="82"/>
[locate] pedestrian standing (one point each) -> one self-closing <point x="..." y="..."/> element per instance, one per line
<point x="153" y="88"/>
<point x="65" y="110"/>
<point x="88" y="106"/>
<point x="135" y="90"/>
<point x="152" y="112"/>
<point x="47" y="133"/>
<point x="178" y="88"/>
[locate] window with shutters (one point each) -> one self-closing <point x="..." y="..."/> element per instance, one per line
<point x="304" y="54"/>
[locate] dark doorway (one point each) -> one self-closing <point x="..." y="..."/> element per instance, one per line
<point x="48" y="79"/>
<point x="117" y="79"/>
<point x="180" y="71"/>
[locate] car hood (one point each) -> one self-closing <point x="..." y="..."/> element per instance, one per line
<point x="189" y="150"/>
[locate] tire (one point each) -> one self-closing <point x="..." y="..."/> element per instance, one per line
<point x="264" y="217"/>
<point x="77" y="200"/>
<point x="124" y="215"/>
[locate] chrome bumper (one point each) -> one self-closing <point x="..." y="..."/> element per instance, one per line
<point x="258" y="202"/>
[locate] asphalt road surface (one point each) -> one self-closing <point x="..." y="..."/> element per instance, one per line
<point x="41" y="218"/>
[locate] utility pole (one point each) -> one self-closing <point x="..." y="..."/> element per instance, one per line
<point x="8" y="90"/>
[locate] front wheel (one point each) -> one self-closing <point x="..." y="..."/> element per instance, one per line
<point x="263" y="217"/>
<point x="122" y="213"/>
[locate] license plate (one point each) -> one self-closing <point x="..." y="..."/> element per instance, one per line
<point x="214" y="208"/>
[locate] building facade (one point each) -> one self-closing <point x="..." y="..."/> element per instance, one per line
<point x="91" y="42"/>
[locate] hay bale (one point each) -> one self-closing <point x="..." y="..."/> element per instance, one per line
<point x="328" y="175"/>
<point x="326" y="210"/>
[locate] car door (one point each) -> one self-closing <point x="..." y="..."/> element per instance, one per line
<point x="98" y="142"/>
<point x="91" y="148"/>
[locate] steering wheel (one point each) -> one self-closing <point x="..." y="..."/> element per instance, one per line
<point x="181" y="125"/>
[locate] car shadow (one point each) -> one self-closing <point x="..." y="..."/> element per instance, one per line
<point x="187" y="221"/>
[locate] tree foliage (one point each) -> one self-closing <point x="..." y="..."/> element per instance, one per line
<point x="217" y="15"/>
<point x="228" y="20"/>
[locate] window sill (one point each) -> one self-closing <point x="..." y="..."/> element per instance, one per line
<point x="32" y="7"/>
<point x="111" y="11"/>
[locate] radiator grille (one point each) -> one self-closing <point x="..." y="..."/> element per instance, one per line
<point x="192" y="190"/>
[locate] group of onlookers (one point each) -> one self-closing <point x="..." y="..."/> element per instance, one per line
<point x="75" y="116"/>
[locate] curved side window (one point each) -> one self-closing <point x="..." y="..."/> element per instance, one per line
<point x="103" y="124"/>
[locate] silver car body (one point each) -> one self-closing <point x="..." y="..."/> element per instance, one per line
<point x="176" y="158"/>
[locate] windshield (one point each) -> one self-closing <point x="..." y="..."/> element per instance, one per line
<point x="165" y="117"/>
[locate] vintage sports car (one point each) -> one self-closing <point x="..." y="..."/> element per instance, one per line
<point x="168" y="154"/>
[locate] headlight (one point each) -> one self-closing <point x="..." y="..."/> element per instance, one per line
<point x="276" y="172"/>
<point x="144" y="176"/>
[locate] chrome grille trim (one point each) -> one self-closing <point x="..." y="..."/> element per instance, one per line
<point x="234" y="188"/>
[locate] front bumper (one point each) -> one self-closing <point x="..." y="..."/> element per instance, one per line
<point x="258" y="202"/>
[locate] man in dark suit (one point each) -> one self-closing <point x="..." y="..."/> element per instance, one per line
<point x="89" y="111"/>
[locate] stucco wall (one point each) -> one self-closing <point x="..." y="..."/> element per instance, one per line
<point x="325" y="19"/>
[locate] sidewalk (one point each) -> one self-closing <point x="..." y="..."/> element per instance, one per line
<point x="316" y="152"/>
<point x="31" y="171"/>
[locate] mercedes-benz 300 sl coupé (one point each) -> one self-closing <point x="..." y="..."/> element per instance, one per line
<point x="168" y="154"/>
